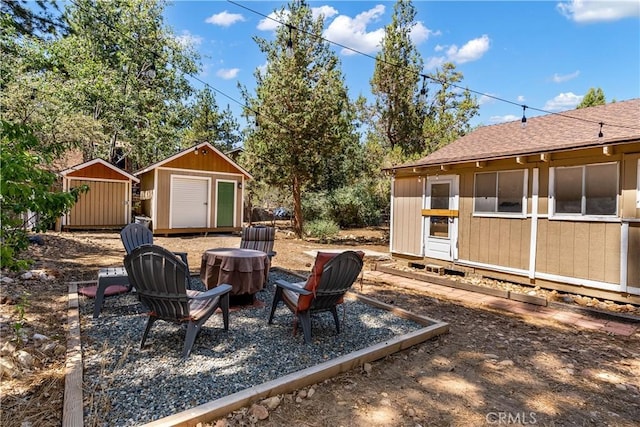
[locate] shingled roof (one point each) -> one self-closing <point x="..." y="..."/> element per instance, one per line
<point x="553" y="132"/>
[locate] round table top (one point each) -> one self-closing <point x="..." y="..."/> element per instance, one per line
<point x="235" y="252"/>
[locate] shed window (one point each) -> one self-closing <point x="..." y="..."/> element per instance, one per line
<point x="500" y="192"/>
<point x="586" y="190"/>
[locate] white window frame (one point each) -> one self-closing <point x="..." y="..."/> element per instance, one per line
<point x="582" y="216"/>
<point x="638" y="186"/>
<point x="496" y="214"/>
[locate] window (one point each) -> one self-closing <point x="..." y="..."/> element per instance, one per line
<point x="500" y="192"/>
<point x="585" y="190"/>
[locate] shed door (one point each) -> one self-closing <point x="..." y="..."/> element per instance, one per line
<point x="105" y="204"/>
<point x="225" y="203"/>
<point x="441" y="230"/>
<point x="189" y="202"/>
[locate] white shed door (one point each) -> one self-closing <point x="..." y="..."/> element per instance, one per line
<point x="189" y="202"/>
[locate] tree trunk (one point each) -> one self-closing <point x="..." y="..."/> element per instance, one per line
<point x="297" y="207"/>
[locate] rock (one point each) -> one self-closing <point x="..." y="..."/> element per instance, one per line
<point x="311" y="392"/>
<point x="621" y="387"/>
<point x="367" y="367"/>
<point x="411" y="412"/>
<point x="49" y="348"/>
<point x="60" y="349"/>
<point x="259" y="411"/>
<point x="491" y="356"/>
<point x="272" y="402"/>
<point x="221" y="423"/>
<point x="40" y="337"/>
<point x="27" y="276"/>
<point x="302" y="394"/>
<point x="24" y="358"/>
<point x="385" y="402"/>
<point x="6" y="279"/>
<point x="298" y="399"/>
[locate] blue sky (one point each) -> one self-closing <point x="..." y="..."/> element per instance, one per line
<point x="543" y="54"/>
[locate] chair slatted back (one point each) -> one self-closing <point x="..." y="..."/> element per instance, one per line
<point x="160" y="280"/>
<point x="260" y="238"/>
<point x="134" y="235"/>
<point x="338" y="275"/>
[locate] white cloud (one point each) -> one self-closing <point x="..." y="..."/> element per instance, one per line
<point x="486" y="99"/>
<point x="187" y="39"/>
<point x="420" y="33"/>
<point x="353" y="32"/>
<point x="326" y="11"/>
<point x="471" y="51"/>
<point x="503" y="119"/>
<point x="520" y="98"/>
<point x="557" y="78"/>
<point x="564" y="101"/>
<point x="273" y="20"/>
<point x="224" y="19"/>
<point x="228" y="73"/>
<point x="588" y="11"/>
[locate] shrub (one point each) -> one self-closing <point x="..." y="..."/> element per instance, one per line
<point x="322" y="229"/>
<point x="355" y="206"/>
<point x="315" y="206"/>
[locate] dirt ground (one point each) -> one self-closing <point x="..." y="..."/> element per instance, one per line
<point x="492" y="368"/>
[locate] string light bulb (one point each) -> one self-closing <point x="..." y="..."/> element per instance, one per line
<point x="524" y="118"/>
<point x="600" y="134"/>
<point x="290" y="42"/>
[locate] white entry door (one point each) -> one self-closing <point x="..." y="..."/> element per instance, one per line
<point x="441" y="227"/>
<point x="189" y="202"/>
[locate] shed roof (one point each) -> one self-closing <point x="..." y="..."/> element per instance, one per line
<point x="98" y="161"/>
<point x="552" y="132"/>
<point x="191" y="150"/>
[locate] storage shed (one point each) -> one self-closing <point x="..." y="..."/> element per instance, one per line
<point x="554" y="202"/>
<point x="107" y="204"/>
<point x="197" y="190"/>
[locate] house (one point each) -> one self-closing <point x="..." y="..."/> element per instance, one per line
<point x="197" y="190"/>
<point x="553" y="202"/>
<point x="107" y="204"/>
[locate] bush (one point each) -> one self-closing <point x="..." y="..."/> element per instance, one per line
<point x="321" y="229"/>
<point x="355" y="206"/>
<point x="315" y="206"/>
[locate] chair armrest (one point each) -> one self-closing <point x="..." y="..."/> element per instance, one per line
<point x="214" y="292"/>
<point x="294" y="287"/>
<point x="182" y="256"/>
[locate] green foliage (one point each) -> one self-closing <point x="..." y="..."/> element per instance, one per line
<point x="26" y="187"/>
<point x="315" y="206"/>
<point x="322" y="229"/>
<point x="301" y="121"/>
<point x="593" y="97"/>
<point x="21" y="308"/>
<point x="355" y="206"/>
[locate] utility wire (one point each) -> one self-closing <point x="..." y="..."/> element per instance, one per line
<point x="424" y="76"/>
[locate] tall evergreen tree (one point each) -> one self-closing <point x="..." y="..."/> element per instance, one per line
<point x="395" y="83"/>
<point x="593" y="97"/>
<point x="302" y="122"/>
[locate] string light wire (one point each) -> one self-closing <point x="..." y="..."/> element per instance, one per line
<point x="424" y="76"/>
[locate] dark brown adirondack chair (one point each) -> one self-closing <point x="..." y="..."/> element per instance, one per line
<point x="161" y="281"/>
<point x="259" y="237"/>
<point x="331" y="277"/>
<point x="134" y="235"/>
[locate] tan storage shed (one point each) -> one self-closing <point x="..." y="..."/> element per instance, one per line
<point x="107" y="204"/>
<point x="555" y="202"/>
<point x="197" y="190"/>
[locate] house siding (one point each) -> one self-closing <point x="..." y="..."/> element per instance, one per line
<point x="407" y="216"/>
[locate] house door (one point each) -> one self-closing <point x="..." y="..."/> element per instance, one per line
<point x="189" y="202"/>
<point x="105" y="204"/>
<point x="441" y="217"/>
<point x="225" y="203"/>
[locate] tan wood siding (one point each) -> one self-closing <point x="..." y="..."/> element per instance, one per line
<point x="98" y="171"/>
<point x="163" y="194"/>
<point x="629" y="186"/>
<point x="103" y="205"/>
<point x="407" y="222"/>
<point x="211" y="162"/>
<point x="585" y="250"/>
